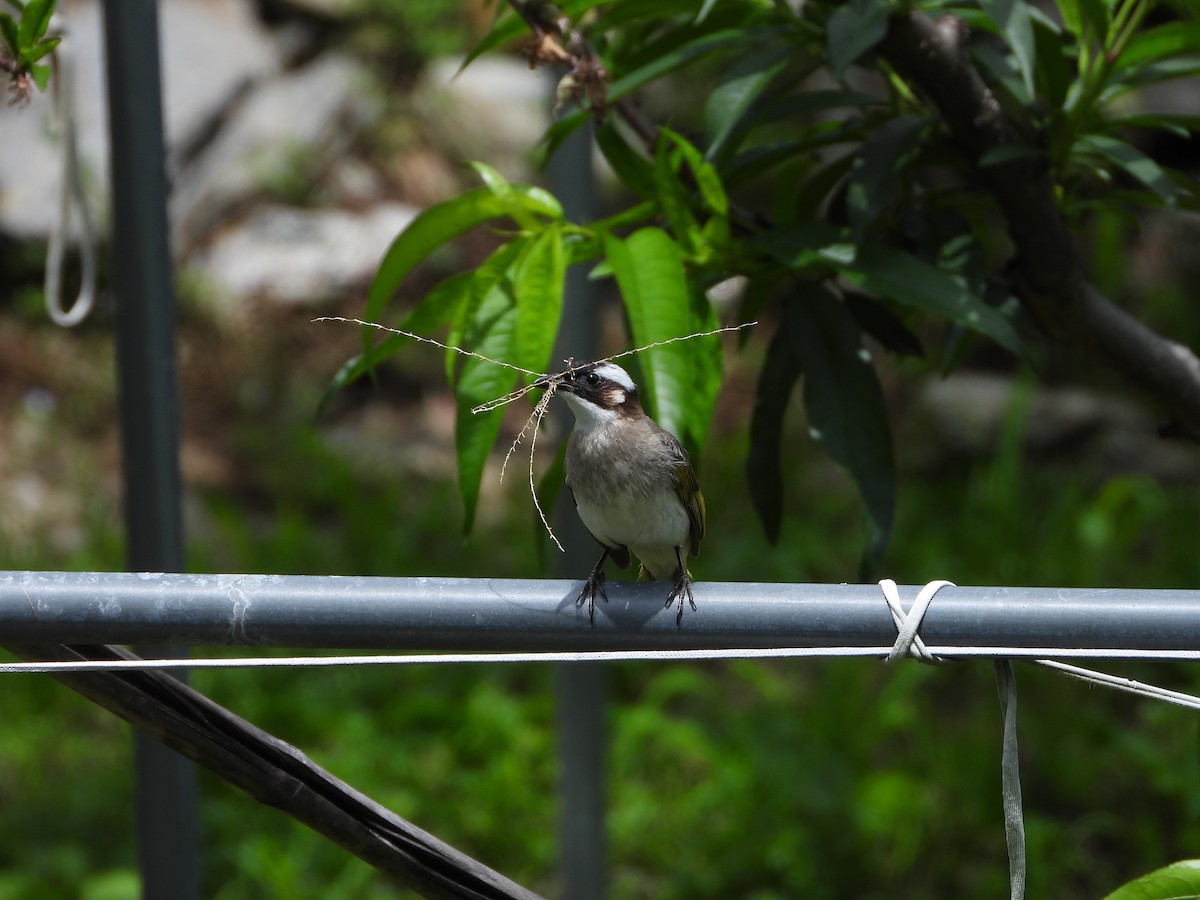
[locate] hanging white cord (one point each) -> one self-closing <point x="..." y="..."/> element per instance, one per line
<point x="1010" y="780"/>
<point x="72" y="196"/>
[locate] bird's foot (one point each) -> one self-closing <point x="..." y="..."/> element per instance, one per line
<point x="683" y="588"/>
<point x="594" y="585"/>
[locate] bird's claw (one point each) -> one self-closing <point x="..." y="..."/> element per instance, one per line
<point x="594" y="585"/>
<point x="683" y="588"/>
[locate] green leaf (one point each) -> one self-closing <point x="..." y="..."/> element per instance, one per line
<point x="679" y="56"/>
<point x="506" y="28"/>
<point x="37" y="51"/>
<point x="1003" y="153"/>
<point x="41" y="76"/>
<point x="1087" y="20"/>
<point x="708" y="182"/>
<point x="819" y="101"/>
<point x="428" y="231"/>
<point x="523" y="202"/>
<point x="752" y="163"/>
<point x="764" y="470"/>
<point x="1057" y="64"/>
<point x="631" y="166"/>
<point x="1133" y="161"/>
<point x="875" y="319"/>
<point x="35" y="19"/>
<point x="909" y="280"/>
<point x="731" y="101"/>
<point x="680" y="379"/>
<point x="1151" y="73"/>
<point x="675" y="200"/>
<point x="496" y="268"/>
<point x="844" y="404"/>
<point x="998" y="66"/>
<point x="1013" y="19"/>
<point x="8" y="31"/>
<point x="855" y="28"/>
<point x="538" y="283"/>
<point x="879" y="168"/>
<point x="492" y="333"/>
<point x="1156" y="44"/>
<point x="1178" y="881"/>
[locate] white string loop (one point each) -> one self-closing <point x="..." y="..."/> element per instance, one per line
<point x="72" y="197"/>
<point x="908" y="642"/>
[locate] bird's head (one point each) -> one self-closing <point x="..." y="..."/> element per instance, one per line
<point x="597" y="392"/>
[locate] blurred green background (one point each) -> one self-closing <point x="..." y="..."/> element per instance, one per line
<point x="739" y="779"/>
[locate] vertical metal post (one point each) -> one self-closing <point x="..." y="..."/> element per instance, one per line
<point x="168" y="824"/>
<point x="581" y="687"/>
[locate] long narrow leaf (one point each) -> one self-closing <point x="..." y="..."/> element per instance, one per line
<point x="1156" y="44"/>
<point x="481" y="282"/>
<point x="879" y="169"/>
<point x="733" y="98"/>
<point x="1013" y="19"/>
<point x="854" y="29"/>
<point x="905" y="278"/>
<point x="678" y="378"/>
<point x="538" y="282"/>
<point x="764" y="470"/>
<point x="1135" y="162"/>
<point x="35" y="19"/>
<point x="844" y="404"/>
<point x="491" y="333"/>
<point x="8" y="31"/>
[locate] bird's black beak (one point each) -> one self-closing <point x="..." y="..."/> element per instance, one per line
<point x="544" y="382"/>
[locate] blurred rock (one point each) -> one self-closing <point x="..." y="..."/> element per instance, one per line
<point x="295" y="121"/>
<point x="290" y="255"/>
<point x="960" y="419"/>
<point x="496" y="109"/>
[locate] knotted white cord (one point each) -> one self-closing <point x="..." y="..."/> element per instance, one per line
<point x="908" y="643"/>
<point x="72" y="196"/>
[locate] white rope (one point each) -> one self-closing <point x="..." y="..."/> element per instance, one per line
<point x="1033" y="654"/>
<point x="907" y="624"/>
<point x="72" y="196"/>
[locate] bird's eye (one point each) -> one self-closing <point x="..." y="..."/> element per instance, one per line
<point x="593" y="379"/>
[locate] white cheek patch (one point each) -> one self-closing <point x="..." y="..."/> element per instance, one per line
<point x="588" y="415"/>
<point x="614" y="396"/>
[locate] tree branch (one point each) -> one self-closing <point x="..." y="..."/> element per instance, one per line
<point x="932" y="56"/>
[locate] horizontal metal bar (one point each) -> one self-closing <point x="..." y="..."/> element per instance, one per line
<point x="508" y="614"/>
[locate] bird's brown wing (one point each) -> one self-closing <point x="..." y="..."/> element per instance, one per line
<point x="688" y="489"/>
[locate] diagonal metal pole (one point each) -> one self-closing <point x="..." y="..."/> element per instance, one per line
<point x="168" y="823"/>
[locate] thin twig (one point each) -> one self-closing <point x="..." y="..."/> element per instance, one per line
<point x="425" y="340"/>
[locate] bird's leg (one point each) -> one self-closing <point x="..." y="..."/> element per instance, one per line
<point x="594" y="584"/>
<point x="683" y="587"/>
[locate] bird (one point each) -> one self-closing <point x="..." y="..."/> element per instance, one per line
<point x="632" y="482"/>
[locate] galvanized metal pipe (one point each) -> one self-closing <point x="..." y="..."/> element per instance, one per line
<point x="510" y="614"/>
<point x="143" y="283"/>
